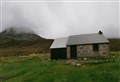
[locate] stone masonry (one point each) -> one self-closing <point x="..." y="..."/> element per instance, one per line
<point x="104" y="49"/>
<point x="68" y="52"/>
<point x="87" y="50"/>
<point x="84" y="51"/>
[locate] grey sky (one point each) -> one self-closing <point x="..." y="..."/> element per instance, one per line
<point x="60" y="0"/>
<point x="0" y="16"/>
<point x="0" y="20"/>
<point x="60" y="19"/>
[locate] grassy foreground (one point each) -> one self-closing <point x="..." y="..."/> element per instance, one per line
<point x="39" y="68"/>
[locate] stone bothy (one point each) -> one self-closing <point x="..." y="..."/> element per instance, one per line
<point x="80" y="46"/>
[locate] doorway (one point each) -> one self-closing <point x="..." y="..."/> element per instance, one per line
<point x="73" y="51"/>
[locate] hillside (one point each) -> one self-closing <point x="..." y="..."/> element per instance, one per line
<point x="114" y="44"/>
<point x="13" y="42"/>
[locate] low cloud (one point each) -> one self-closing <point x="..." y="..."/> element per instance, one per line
<point x="60" y="19"/>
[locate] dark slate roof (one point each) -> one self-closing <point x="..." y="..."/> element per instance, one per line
<point x="87" y="39"/>
<point x="59" y="43"/>
<point x="79" y="39"/>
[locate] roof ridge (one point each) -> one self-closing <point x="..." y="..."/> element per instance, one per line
<point x="83" y="34"/>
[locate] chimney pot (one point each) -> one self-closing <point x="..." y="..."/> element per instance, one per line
<point x="100" y="32"/>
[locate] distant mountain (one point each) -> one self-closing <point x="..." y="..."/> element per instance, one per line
<point x="17" y="34"/>
<point x="14" y="40"/>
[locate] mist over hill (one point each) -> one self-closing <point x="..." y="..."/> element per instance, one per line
<point x="16" y="41"/>
<point x="55" y="20"/>
<point x="19" y="34"/>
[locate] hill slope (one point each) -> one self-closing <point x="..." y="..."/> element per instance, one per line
<point x="13" y="42"/>
<point x="115" y="44"/>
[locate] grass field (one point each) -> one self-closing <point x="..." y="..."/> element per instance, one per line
<point x="39" y="68"/>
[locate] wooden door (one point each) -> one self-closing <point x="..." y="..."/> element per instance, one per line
<point x="73" y="51"/>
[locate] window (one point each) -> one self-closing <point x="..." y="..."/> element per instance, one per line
<point x="95" y="47"/>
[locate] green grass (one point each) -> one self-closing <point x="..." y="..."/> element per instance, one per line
<point x="39" y="68"/>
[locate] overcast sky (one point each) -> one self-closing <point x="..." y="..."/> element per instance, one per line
<point x="60" y="19"/>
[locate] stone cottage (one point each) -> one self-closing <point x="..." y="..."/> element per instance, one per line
<point x="78" y="46"/>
